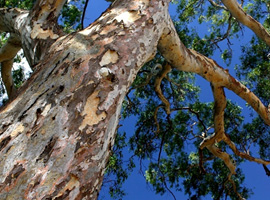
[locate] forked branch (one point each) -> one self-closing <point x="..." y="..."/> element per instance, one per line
<point x="219" y="107"/>
<point x="188" y="60"/>
<point x="209" y="142"/>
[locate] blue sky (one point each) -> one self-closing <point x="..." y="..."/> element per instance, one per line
<point x="136" y="187"/>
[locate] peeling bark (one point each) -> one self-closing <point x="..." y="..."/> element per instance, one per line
<point x="57" y="135"/>
<point x="239" y="14"/>
<point x="189" y="60"/>
<point x="56" y="144"/>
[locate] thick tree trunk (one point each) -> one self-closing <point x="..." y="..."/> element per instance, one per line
<point x="56" y="136"/>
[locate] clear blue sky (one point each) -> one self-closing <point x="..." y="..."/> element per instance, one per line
<point x="136" y="187"/>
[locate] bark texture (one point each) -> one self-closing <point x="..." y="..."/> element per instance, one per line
<point x="57" y="134"/>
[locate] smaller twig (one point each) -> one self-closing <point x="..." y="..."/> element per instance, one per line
<point x="267" y="171"/>
<point x="194" y="112"/>
<point x="172" y="81"/>
<point x="155" y="117"/>
<point x="243" y="155"/>
<point x="225" y="36"/>
<point x="161" y="146"/>
<point x="163" y="138"/>
<point x="84" y="11"/>
<point x="149" y="76"/>
<point x="165" y="184"/>
<point x="234" y="187"/>
<point x="217" y="5"/>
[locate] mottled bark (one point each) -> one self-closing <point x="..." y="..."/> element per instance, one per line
<point x="191" y="61"/>
<point x="34" y="31"/>
<point x="56" y="136"/>
<point x="237" y="11"/>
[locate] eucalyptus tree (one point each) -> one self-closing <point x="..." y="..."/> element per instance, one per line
<point x="58" y="129"/>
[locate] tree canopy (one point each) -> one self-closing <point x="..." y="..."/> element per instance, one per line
<point x="182" y="142"/>
<point x="161" y="139"/>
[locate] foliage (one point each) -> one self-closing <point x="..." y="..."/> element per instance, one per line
<point x="70" y="17"/>
<point x="23" y="4"/>
<point x="167" y="145"/>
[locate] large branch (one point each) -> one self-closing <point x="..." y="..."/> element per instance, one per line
<point x="241" y="16"/>
<point x="191" y="61"/>
<point x="34" y="32"/>
<point x="9" y="50"/>
<point x="41" y="29"/>
<point x="188" y="60"/>
<point x="7" y="53"/>
<point x="210" y="141"/>
<point x="6" y="74"/>
<point x="43" y="17"/>
<point x="47" y="10"/>
<point x="36" y="28"/>
<point x="219" y="107"/>
<point x="244" y="155"/>
<point x="12" y="20"/>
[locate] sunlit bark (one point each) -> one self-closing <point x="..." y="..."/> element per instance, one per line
<point x="236" y="10"/>
<point x="57" y="135"/>
<point x="7" y="54"/>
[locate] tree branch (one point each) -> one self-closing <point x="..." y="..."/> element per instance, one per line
<point x="226" y="35"/>
<point x="241" y="16"/>
<point x="267" y="171"/>
<point x="155" y="117"/>
<point x="223" y="156"/>
<point x="188" y="60"/>
<point x="209" y="142"/>
<point x="243" y="155"/>
<point x="10" y="48"/>
<point x="7" y="53"/>
<point x="213" y="3"/>
<point x="6" y="74"/>
<point x="219" y="107"/>
<point x="11" y="20"/>
<point x="46" y="10"/>
<point x="83" y="14"/>
<point x="165" y="70"/>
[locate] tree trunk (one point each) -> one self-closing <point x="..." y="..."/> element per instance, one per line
<point x="56" y="136"/>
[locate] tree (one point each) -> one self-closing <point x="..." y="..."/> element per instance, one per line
<point x="58" y="129"/>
